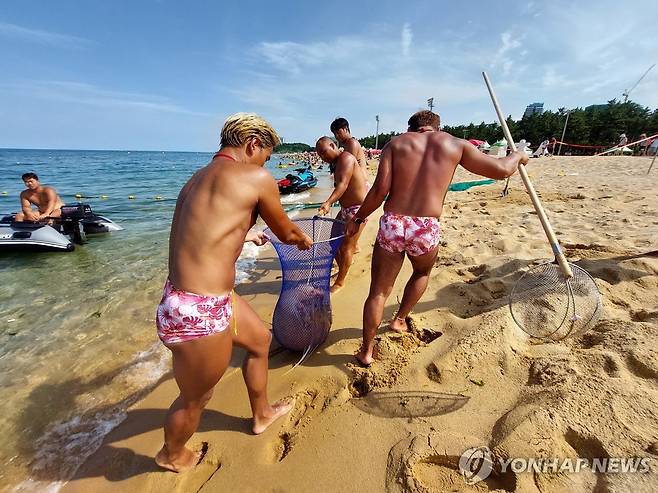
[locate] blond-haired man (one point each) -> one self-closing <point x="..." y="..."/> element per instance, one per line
<point x="200" y="317"/>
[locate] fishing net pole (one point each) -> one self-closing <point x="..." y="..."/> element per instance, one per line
<point x="557" y="299"/>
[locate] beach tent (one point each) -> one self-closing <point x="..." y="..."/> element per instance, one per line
<point x="524" y="146"/>
<point x="485" y="145"/>
<point x="625" y="151"/>
<point x="498" y="149"/>
<point x="476" y="142"/>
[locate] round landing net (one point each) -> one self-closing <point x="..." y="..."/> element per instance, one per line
<point x="302" y="317"/>
<point x="548" y="306"/>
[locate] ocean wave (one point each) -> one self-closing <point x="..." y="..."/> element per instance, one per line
<point x="246" y="262"/>
<point x="67" y="444"/>
<point x="295" y="197"/>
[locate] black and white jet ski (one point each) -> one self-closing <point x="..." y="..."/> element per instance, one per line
<point x="72" y="228"/>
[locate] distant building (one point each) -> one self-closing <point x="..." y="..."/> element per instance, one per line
<point x="534" y="109"/>
<point x="597" y="107"/>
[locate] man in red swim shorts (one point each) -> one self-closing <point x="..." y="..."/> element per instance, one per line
<point x="415" y="171"/>
<point x="200" y="317"/>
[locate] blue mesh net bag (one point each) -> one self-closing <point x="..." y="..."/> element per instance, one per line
<point x="302" y="317"/>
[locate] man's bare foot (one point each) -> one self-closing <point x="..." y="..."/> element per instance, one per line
<point x="336" y="287"/>
<point x="364" y="357"/>
<point x="185" y="461"/>
<point x="277" y="410"/>
<point x="399" y="324"/>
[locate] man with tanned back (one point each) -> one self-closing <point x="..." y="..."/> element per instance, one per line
<point x="340" y="127"/>
<point x="48" y="203"/>
<point x="200" y="317"/>
<point x="415" y="171"/>
<point x="350" y="190"/>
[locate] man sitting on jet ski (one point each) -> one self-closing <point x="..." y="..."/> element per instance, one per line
<point x="48" y="203"/>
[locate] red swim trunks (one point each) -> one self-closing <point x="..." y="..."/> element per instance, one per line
<point x="414" y="235"/>
<point x="183" y="316"/>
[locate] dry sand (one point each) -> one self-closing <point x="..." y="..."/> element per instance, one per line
<point x="467" y="376"/>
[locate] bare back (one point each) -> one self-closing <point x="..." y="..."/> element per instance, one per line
<point x="422" y="166"/>
<point x="416" y="169"/>
<point x="354" y="147"/>
<point x="214" y="211"/>
<point x="349" y="172"/>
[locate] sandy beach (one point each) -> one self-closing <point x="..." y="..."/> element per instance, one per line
<point x="467" y="375"/>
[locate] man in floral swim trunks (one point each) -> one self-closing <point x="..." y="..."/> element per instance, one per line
<point x="415" y="171"/>
<point x="200" y="317"/>
<point x="349" y="189"/>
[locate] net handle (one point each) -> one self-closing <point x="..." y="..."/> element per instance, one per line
<point x="548" y="229"/>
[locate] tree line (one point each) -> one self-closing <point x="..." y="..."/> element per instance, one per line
<point x="292" y="147"/>
<point x="596" y="125"/>
<point x="369" y="142"/>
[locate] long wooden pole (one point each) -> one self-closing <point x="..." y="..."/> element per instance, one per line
<point x="653" y="161"/>
<point x="564" y="131"/>
<point x="548" y="229"/>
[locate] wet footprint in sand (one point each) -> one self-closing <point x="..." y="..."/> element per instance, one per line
<point x="309" y="403"/>
<point x="195" y="478"/>
<point x="284" y="442"/>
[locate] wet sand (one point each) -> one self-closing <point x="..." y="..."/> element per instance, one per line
<point x="467" y="376"/>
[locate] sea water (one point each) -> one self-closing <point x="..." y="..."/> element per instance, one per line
<point x="77" y="332"/>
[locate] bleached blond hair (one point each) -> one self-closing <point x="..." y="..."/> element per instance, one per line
<point x="241" y="127"/>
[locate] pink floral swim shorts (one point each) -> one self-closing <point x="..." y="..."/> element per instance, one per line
<point x="184" y="316"/>
<point x="414" y="235"/>
<point x="347" y="213"/>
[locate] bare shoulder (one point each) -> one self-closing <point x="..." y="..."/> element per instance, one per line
<point x="346" y="159"/>
<point x="399" y="141"/>
<point x="258" y="174"/>
<point x="352" y="145"/>
<point x="444" y="139"/>
<point x="260" y="180"/>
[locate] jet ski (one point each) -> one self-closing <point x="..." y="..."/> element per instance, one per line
<point x="77" y="221"/>
<point x="303" y="180"/>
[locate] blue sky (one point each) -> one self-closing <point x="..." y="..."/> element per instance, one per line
<point x="163" y="74"/>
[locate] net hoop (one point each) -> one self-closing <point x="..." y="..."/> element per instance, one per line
<point x="274" y="239"/>
<point x="584" y="324"/>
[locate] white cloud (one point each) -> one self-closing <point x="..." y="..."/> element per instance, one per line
<point x="42" y="37"/>
<point x="552" y="79"/>
<point x="302" y="87"/>
<point x="407" y="36"/>
<point x="293" y="57"/>
<point x="88" y="94"/>
<point x="503" y="57"/>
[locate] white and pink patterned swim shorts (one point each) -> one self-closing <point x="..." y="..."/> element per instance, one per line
<point x="347" y="213"/>
<point x="184" y="316"/>
<point x="414" y="235"/>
